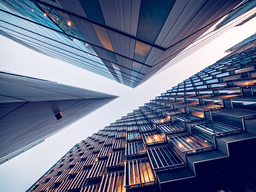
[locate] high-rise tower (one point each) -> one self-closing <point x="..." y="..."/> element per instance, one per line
<point x="198" y="136"/>
<point x="127" y="41"/>
<point x="34" y="109"/>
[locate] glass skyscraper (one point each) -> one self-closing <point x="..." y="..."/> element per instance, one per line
<point x="34" y="109"/>
<point x="198" y="136"/>
<point x="127" y="41"/>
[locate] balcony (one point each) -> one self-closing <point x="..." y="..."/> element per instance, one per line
<point x="133" y="136"/>
<point x="164" y="158"/>
<point x="146" y="128"/>
<point x="104" y="152"/>
<point x="219" y="128"/>
<point x="134" y="148"/>
<point x="119" y="144"/>
<point x="138" y="173"/>
<point x="112" y="182"/>
<point x="188" y="143"/>
<point x="151" y="139"/>
<point x="171" y="128"/>
<point x="97" y="169"/>
<point x="116" y="159"/>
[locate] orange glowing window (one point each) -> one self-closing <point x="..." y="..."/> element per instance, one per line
<point x="138" y="172"/>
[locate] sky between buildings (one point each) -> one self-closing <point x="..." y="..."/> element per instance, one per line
<point x="18" y="174"/>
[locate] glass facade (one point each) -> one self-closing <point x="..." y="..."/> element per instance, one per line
<point x="126" y="41"/>
<point x="171" y="138"/>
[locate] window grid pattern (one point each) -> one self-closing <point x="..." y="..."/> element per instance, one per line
<point x="136" y="163"/>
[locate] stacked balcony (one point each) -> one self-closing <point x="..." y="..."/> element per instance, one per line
<point x="165" y="140"/>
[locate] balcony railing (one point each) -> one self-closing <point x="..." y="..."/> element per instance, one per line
<point x="79" y="180"/>
<point x="90" y="160"/>
<point x="164" y="158"/>
<point x="133" y="136"/>
<point x="116" y="159"/>
<point x="119" y="144"/>
<point x="138" y="173"/>
<point x="97" y="148"/>
<point x="151" y="138"/>
<point x="134" y="148"/>
<point x="90" y="188"/>
<point x="112" y="182"/>
<point x="146" y="128"/>
<point x="97" y="169"/>
<point x="104" y="152"/>
<point x="218" y="128"/>
<point x="170" y="128"/>
<point x="190" y="143"/>
<point x="132" y="128"/>
<point x="109" y="141"/>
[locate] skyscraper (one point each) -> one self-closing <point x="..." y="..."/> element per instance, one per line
<point x="198" y="136"/>
<point x="127" y="41"/>
<point x="245" y="44"/>
<point x="34" y="109"/>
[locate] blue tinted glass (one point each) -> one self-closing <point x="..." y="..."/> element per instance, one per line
<point x="93" y="10"/>
<point x="152" y="17"/>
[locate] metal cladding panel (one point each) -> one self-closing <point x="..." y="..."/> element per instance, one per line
<point x="42" y="123"/>
<point x="97" y="148"/>
<point x="25" y="118"/>
<point x="6" y="108"/>
<point x="36" y="85"/>
<point x="29" y="122"/>
<point x="5" y="99"/>
<point x="122" y="15"/>
<point x="28" y="93"/>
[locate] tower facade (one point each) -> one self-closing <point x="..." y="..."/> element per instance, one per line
<point x="198" y="136"/>
<point x="34" y="109"/>
<point x="127" y="41"/>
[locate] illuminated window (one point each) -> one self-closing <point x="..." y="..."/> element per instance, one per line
<point x="134" y="148"/>
<point x="112" y="182"/>
<point x="164" y="158"/>
<point x="190" y="143"/>
<point x="116" y="159"/>
<point x="138" y="172"/>
<point x="150" y="138"/>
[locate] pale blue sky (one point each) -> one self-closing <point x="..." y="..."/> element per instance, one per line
<point x="18" y="174"/>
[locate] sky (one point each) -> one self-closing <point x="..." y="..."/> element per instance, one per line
<point x="21" y="172"/>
